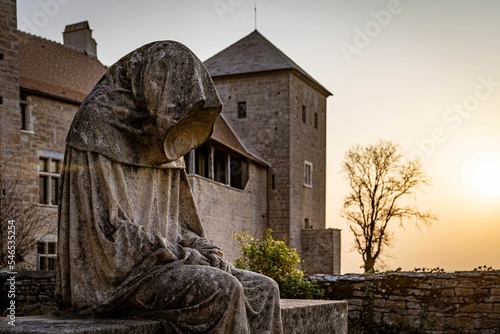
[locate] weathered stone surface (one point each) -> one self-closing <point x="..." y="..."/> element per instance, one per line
<point x="130" y="238"/>
<point x="299" y="317"/>
<point x="433" y="302"/>
<point x="314" y="316"/>
<point x="39" y="325"/>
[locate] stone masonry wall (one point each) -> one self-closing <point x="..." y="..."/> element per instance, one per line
<point x="32" y="287"/>
<point x="264" y="131"/>
<point x="9" y="84"/>
<point x="307" y="143"/>
<point x="50" y="120"/>
<point x="225" y="210"/>
<point x="438" y="303"/>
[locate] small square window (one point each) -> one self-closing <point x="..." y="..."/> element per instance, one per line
<point x="242" y="110"/>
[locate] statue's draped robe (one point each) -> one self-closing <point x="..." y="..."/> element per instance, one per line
<point x="130" y="239"/>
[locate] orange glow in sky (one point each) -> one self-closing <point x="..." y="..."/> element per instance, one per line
<point x="424" y="74"/>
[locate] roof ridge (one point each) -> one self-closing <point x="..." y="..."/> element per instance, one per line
<point x="249" y="152"/>
<point x="281" y="53"/>
<point x="254" y="53"/>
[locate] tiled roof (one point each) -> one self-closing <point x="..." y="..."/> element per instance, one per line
<point x="224" y="135"/>
<point x="252" y="54"/>
<point x="53" y="69"/>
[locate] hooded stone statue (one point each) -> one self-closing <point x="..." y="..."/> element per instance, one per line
<point x="130" y="239"/>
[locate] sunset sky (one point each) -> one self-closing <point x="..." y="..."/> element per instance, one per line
<point x="422" y="73"/>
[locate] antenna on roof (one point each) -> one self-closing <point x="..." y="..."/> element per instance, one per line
<point x="255" y="14"/>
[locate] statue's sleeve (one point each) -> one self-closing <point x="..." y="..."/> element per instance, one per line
<point x="191" y="229"/>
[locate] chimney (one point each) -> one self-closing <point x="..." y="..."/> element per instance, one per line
<point x="79" y="36"/>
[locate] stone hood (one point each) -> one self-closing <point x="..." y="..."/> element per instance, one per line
<point x="149" y="109"/>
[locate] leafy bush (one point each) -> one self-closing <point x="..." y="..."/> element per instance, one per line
<point x="275" y="259"/>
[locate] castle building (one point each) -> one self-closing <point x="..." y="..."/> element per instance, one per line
<point x="263" y="167"/>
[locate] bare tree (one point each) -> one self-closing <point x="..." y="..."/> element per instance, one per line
<point x="31" y="220"/>
<point x="383" y="187"/>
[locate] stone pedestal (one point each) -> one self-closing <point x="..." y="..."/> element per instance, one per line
<point x="299" y="317"/>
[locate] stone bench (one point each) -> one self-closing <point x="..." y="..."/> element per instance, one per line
<point x="299" y="317"/>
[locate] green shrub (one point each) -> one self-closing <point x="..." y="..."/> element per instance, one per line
<point x="275" y="259"/>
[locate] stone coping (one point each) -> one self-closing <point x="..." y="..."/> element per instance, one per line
<point x="299" y="317"/>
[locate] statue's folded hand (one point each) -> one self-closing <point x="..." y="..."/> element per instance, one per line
<point x="196" y="258"/>
<point x="218" y="261"/>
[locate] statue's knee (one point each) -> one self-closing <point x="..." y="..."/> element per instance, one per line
<point x="233" y="284"/>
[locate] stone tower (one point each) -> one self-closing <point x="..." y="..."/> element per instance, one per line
<point x="280" y="113"/>
<point x="10" y="140"/>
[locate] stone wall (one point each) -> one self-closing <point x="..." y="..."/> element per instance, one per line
<point x="49" y="123"/>
<point x="438" y="303"/>
<point x="10" y="117"/>
<point x="264" y="131"/>
<point x="32" y="287"/>
<point x="307" y="143"/>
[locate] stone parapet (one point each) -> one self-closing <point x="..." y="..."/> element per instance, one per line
<point x="314" y="316"/>
<point x="406" y="302"/>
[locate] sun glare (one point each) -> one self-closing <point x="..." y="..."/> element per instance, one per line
<point x="481" y="174"/>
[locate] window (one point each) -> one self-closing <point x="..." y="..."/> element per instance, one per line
<point x="316" y="120"/>
<point x="47" y="255"/>
<point x="307" y="225"/>
<point x="48" y="185"/>
<point x="242" y="110"/>
<point x="202" y="156"/>
<point x="238" y="172"/>
<point x="217" y="164"/>
<point x="24" y="113"/>
<point x="308" y="169"/>
<point x="220" y="166"/>
<point x="304" y="114"/>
